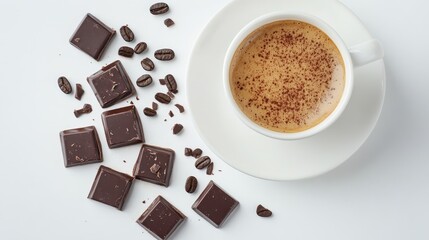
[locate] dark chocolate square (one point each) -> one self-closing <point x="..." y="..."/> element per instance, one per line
<point x="92" y="36"/>
<point x="122" y="127"/>
<point x="154" y="164"/>
<point x="111" y="84"/>
<point x="214" y="205"/>
<point x="81" y="146"/>
<point x="161" y="219"/>
<point x="110" y="187"/>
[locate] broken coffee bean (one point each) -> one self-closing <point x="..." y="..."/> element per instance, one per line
<point x="159" y="8"/>
<point x="168" y="22"/>
<point x="197" y="153"/>
<point x="164" y="54"/>
<point x="147" y="64"/>
<point x="154" y="106"/>
<point x="177" y="128"/>
<point x="203" y="162"/>
<point x="162" y="98"/>
<point x="140" y="47"/>
<point x="191" y="184"/>
<point x="126" y="33"/>
<point x="79" y="91"/>
<point x="180" y="107"/>
<point x="87" y="108"/>
<point x="188" y="152"/>
<point x="144" y="80"/>
<point x="64" y="85"/>
<point x="162" y="81"/>
<point x="126" y="51"/>
<point x="209" y="170"/>
<point x="263" y="212"/>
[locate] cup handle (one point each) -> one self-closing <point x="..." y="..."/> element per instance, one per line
<point x="366" y="52"/>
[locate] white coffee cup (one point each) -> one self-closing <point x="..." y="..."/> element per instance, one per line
<point x="353" y="57"/>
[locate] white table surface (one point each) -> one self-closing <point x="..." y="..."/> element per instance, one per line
<point x="379" y="193"/>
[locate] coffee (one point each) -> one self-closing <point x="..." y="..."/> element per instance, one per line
<point x="287" y="76"/>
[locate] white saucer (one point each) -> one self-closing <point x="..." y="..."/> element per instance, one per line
<point x="258" y="155"/>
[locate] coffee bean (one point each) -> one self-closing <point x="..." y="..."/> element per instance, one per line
<point x="147" y="64"/>
<point x="263" y="212"/>
<point x="180" y="107"/>
<point x="197" y="153"/>
<point x="168" y="22"/>
<point x="202" y="162"/>
<point x="162" y="98"/>
<point x="191" y="184"/>
<point x="126" y="51"/>
<point x="188" y="152"/>
<point x="144" y="80"/>
<point x="87" y="108"/>
<point x="177" y="128"/>
<point x="209" y="170"/>
<point x="140" y="47"/>
<point x="64" y="85"/>
<point x="149" y="112"/>
<point x="154" y="106"/>
<point x="127" y="34"/>
<point x="159" y="8"/>
<point x="170" y="94"/>
<point x="171" y="83"/>
<point x="79" y="91"/>
<point x="164" y="54"/>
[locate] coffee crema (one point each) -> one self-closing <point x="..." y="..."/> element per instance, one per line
<point x="287" y="76"/>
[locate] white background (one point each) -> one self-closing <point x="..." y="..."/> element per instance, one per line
<point x="381" y="192"/>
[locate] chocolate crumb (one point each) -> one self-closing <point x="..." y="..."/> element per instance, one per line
<point x="137" y="98"/>
<point x="180" y="107"/>
<point x="87" y="108"/>
<point x="177" y="128"/>
<point x="131" y="102"/>
<point x="154" y="106"/>
<point x="162" y="81"/>
<point x="171" y="114"/>
<point x="79" y="91"/>
<point x="168" y="22"/>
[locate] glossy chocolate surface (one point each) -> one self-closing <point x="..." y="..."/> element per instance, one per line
<point x="81" y="146"/>
<point x="214" y="205"/>
<point x="122" y="127"/>
<point x="92" y="36"/>
<point x="154" y="164"/>
<point x="111" y="84"/>
<point x="161" y="219"/>
<point x="110" y="187"/>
